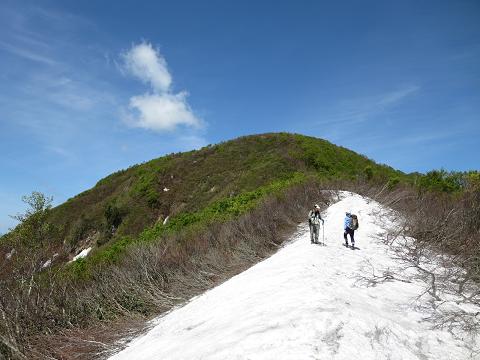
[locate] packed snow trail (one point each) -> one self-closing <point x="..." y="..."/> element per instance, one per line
<point x="305" y="302"/>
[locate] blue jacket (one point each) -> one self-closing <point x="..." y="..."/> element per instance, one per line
<point x="347" y="223"/>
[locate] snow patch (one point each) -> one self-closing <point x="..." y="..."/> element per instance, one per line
<point x="49" y="261"/>
<point x="82" y="254"/>
<point x="310" y="302"/>
<point x="9" y="255"/>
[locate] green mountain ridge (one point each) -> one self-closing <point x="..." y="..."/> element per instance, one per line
<point x="129" y="201"/>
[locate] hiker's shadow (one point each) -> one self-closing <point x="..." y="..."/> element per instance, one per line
<point x="354" y="248"/>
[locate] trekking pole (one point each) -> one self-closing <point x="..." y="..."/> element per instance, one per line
<point x="323" y="234"/>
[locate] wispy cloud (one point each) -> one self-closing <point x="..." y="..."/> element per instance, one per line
<point x="428" y="137"/>
<point x="161" y="109"/>
<point x="360" y="109"/>
<point x="394" y="97"/>
<point x="27" y="54"/>
<point x="52" y="78"/>
<point x="18" y="38"/>
<point x="60" y="151"/>
<point x="64" y="91"/>
<point x="409" y="140"/>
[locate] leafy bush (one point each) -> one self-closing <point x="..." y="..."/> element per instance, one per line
<point x="78" y="231"/>
<point x="392" y="182"/>
<point x="113" y="216"/>
<point x="34" y="229"/>
<point x="448" y="182"/>
<point x="368" y="172"/>
<point x="110" y="254"/>
<point x="78" y="268"/>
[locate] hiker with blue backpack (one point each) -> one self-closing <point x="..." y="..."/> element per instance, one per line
<point x="314" y="219"/>
<point x="350" y="224"/>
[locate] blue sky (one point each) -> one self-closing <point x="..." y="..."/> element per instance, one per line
<point x="91" y="87"/>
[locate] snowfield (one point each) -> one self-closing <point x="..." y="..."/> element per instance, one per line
<point x="312" y="302"/>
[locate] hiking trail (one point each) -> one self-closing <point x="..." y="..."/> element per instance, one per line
<point x="312" y="302"/>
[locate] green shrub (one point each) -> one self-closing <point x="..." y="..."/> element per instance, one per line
<point x="111" y="253"/>
<point x="78" y="269"/>
<point x="113" y="215"/>
<point x="442" y="181"/>
<point x="34" y="229"/>
<point x="78" y="231"/>
<point x="368" y="171"/>
<point x="393" y="182"/>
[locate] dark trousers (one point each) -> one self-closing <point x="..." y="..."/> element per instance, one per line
<point x="350" y="232"/>
<point x="314" y="232"/>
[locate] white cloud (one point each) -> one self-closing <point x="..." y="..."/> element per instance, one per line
<point x="161" y="110"/>
<point x="147" y="64"/>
